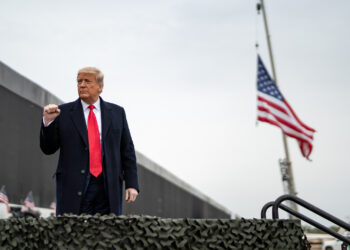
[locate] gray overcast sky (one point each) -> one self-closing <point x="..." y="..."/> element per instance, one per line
<point x="185" y="71"/>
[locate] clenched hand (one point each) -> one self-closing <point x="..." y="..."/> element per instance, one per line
<point x="50" y="112"/>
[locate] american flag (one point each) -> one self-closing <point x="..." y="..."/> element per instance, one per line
<point x="29" y="201"/>
<point x="53" y="206"/>
<point x="274" y="109"/>
<point x="4" y="198"/>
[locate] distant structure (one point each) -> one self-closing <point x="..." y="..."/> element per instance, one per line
<point x="24" y="167"/>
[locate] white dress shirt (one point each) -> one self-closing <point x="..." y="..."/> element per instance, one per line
<point x="97" y="112"/>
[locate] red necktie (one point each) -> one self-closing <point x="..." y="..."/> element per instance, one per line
<point x="95" y="155"/>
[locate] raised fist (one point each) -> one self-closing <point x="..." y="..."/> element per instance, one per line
<point x="50" y="112"/>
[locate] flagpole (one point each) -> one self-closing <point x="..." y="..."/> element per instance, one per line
<point x="284" y="138"/>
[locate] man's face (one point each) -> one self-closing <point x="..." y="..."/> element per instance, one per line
<point x="88" y="88"/>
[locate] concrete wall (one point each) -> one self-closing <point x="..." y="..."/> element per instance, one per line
<point x="23" y="167"/>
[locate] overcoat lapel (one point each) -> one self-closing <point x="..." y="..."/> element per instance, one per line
<point x="78" y="118"/>
<point x="106" y="118"/>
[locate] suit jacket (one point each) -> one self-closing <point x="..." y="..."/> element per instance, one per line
<point x="68" y="133"/>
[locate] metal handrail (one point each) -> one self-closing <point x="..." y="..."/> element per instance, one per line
<point x="264" y="209"/>
<point x="277" y="204"/>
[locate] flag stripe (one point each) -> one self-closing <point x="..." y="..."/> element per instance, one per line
<point x="268" y="117"/>
<point x="29" y="201"/>
<point x="284" y="120"/>
<point x="4" y="199"/>
<point x="285" y="106"/>
<point x="297" y="118"/>
<point x="272" y="104"/>
<point x="301" y="142"/>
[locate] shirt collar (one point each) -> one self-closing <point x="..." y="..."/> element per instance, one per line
<point x="96" y="104"/>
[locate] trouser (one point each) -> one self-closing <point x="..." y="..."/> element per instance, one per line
<point x="95" y="199"/>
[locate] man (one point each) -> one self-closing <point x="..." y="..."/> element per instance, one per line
<point x="96" y="150"/>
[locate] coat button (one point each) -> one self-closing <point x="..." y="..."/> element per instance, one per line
<point x="86" y="149"/>
<point x="79" y="193"/>
<point x="82" y="171"/>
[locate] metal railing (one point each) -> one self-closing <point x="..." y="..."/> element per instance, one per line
<point x="277" y="204"/>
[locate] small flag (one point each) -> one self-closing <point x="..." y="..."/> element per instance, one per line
<point x="53" y="206"/>
<point x="4" y="198"/>
<point x="274" y="109"/>
<point x="29" y="201"/>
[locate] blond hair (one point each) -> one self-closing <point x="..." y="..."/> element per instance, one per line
<point x="92" y="70"/>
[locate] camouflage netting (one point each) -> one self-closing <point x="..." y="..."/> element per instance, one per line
<point x="143" y="232"/>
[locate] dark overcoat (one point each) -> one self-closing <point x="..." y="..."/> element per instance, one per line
<point x="68" y="133"/>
